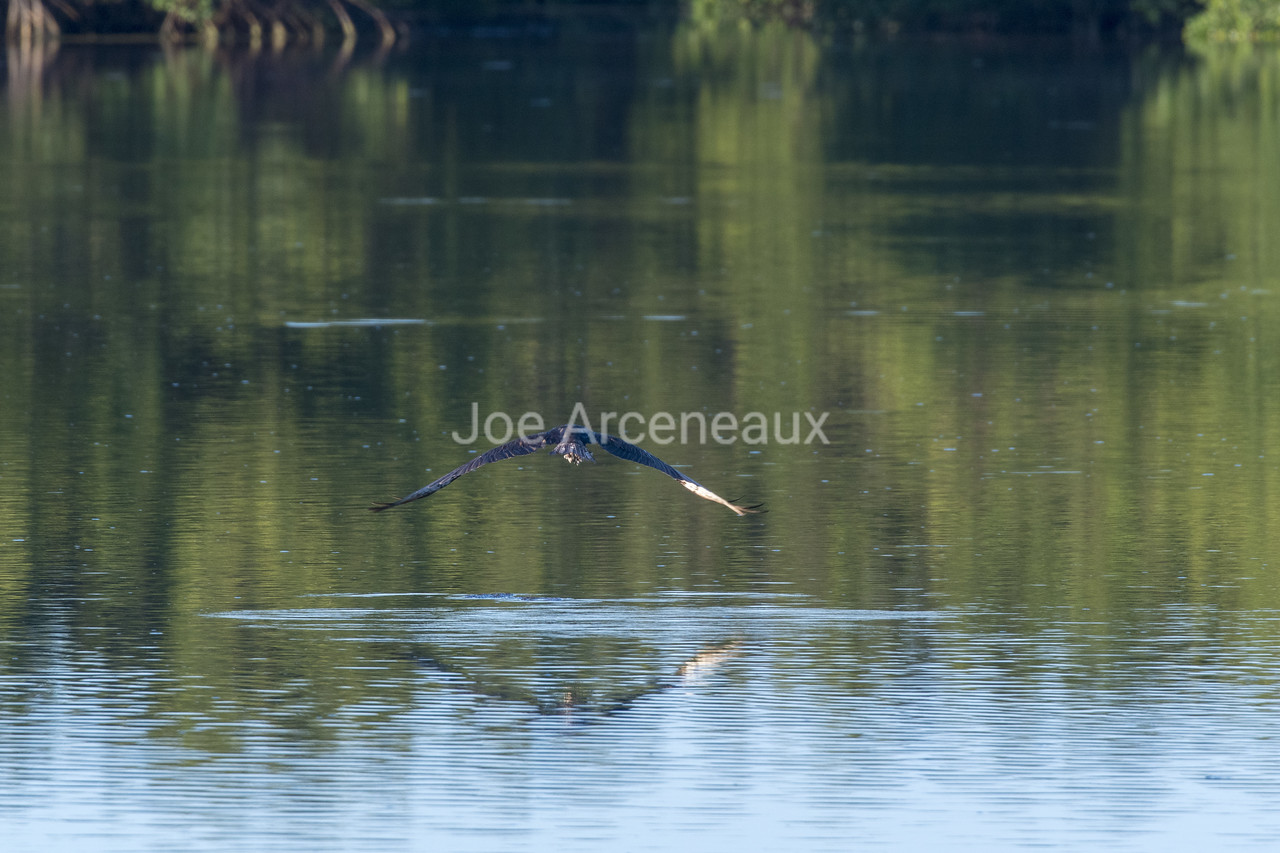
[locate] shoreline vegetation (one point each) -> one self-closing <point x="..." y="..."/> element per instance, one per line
<point x="277" y="24"/>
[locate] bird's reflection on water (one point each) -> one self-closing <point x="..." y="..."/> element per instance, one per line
<point x="576" y="698"/>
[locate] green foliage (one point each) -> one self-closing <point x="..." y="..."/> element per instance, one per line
<point x="1210" y="20"/>
<point x="1235" y="21"/>
<point x="952" y="15"/>
<point x="196" y="12"/>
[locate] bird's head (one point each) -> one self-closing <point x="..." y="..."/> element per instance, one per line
<point x="573" y="451"/>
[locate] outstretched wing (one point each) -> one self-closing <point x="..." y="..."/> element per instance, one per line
<point x="519" y="447"/>
<point x="627" y="450"/>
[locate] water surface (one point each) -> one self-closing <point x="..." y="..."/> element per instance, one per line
<point x="1023" y="594"/>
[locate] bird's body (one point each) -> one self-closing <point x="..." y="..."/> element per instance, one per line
<point x="570" y="442"/>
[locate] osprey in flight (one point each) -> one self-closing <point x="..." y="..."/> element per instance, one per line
<point x="571" y="443"/>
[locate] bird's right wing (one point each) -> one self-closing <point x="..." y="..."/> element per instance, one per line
<point x="518" y="447"/>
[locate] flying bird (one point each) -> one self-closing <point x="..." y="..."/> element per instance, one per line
<point x="571" y="443"/>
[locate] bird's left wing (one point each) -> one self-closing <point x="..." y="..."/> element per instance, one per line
<point x="632" y="453"/>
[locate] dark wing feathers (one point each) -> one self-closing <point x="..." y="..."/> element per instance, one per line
<point x="518" y="447"/>
<point x="627" y="450"/>
<point x="521" y="446"/>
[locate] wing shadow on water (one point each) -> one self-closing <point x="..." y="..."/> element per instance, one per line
<point x="575" y="698"/>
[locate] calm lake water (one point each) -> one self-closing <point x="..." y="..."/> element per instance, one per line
<point x="1007" y="316"/>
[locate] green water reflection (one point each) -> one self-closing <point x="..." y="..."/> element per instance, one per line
<point x="1033" y="289"/>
